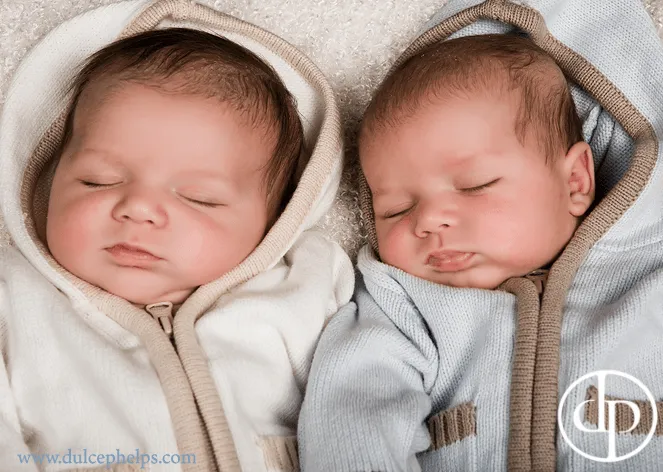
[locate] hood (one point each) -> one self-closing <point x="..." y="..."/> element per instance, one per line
<point x="32" y="124"/>
<point x="611" y="50"/>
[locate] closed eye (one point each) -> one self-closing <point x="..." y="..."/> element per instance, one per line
<point x="394" y="215"/>
<point x="95" y="184"/>
<point x="479" y="187"/>
<point x="205" y="204"/>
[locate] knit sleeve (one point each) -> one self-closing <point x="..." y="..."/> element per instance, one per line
<point x="14" y="454"/>
<point x="366" y="401"/>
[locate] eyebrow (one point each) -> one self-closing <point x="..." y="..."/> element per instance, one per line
<point x="219" y="181"/>
<point x="380" y="192"/>
<point x="207" y="175"/>
<point x="110" y="159"/>
<point x="88" y="152"/>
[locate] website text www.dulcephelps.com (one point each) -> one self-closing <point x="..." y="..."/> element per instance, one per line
<point x="106" y="459"/>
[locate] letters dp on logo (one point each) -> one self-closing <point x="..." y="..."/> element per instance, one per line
<point x="607" y="416"/>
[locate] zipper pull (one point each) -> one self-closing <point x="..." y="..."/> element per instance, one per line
<point x="163" y="313"/>
<point x="539" y="277"/>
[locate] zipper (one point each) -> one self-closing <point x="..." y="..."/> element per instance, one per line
<point x="163" y="313"/>
<point x="539" y="277"/>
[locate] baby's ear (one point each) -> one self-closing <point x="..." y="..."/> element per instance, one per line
<point x="579" y="172"/>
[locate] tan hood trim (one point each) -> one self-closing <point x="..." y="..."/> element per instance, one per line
<point x="519" y="457"/>
<point x="542" y="399"/>
<point x="196" y="409"/>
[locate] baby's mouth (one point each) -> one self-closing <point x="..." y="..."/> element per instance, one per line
<point x="128" y="254"/>
<point x="449" y="261"/>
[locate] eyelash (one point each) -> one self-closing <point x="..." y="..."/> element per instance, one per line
<point x="400" y="213"/>
<point x="479" y="188"/>
<point x="197" y="202"/>
<point x="205" y="204"/>
<point x="94" y="185"/>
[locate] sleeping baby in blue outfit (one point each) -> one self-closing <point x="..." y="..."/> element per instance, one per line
<point x="479" y="163"/>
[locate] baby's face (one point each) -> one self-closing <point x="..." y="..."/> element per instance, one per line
<point x="157" y="194"/>
<point x="459" y="201"/>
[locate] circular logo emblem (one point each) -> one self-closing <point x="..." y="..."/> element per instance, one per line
<point x="607" y="415"/>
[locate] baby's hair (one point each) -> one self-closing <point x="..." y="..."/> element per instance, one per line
<point x="192" y="62"/>
<point x="485" y="63"/>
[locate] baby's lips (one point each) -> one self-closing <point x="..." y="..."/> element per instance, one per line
<point x="449" y="261"/>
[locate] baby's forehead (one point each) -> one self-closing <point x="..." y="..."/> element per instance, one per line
<point x="526" y="113"/>
<point x="119" y="127"/>
<point x="110" y="95"/>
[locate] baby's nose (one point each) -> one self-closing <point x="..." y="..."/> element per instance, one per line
<point x="433" y="218"/>
<point x="140" y="207"/>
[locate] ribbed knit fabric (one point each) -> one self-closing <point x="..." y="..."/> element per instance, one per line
<point x="415" y="350"/>
<point x="412" y="351"/>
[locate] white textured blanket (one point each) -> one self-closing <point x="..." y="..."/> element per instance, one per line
<point x="354" y="42"/>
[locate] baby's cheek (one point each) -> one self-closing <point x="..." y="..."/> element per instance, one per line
<point x="395" y="246"/>
<point x="73" y="227"/>
<point x="195" y="244"/>
<point x="208" y="251"/>
<point x="519" y="244"/>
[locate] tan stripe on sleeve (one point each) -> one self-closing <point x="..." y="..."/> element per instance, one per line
<point x="452" y="425"/>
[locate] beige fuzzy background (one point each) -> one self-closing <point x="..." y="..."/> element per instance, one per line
<point x="354" y="42"/>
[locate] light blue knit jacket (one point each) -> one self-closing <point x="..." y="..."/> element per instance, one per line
<point x="419" y="376"/>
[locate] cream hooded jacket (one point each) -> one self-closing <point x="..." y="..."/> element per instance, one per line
<point x="85" y="372"/>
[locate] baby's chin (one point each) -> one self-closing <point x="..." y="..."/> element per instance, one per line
<point x="142" y="288"/>
<point x="150" y="295"/>
<point x="475" y="277"/>
<point x="459" y="281"/>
